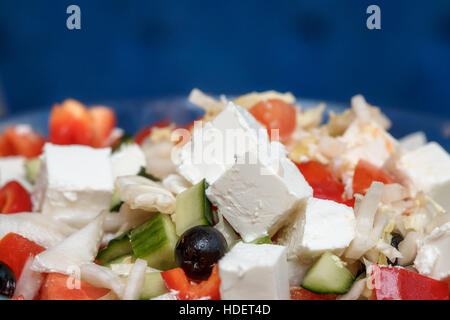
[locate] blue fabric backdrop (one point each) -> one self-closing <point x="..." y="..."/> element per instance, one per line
<point x="317" y="49"/>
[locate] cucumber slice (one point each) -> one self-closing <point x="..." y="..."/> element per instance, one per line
<point x="155" y="241"/>
<point x="32" y="167"/>
<point x="118" y="247"/>
<point x="328" y="275"/>
<point x="116" y="202"/>
<point x="192" y="208"/>
<point x="153" y="286"/>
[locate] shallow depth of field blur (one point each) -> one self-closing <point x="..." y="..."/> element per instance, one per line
<point x="143" y="49"/>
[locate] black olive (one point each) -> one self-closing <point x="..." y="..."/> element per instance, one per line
<point x="7" y="280"/>
<point x="198" y="249"/>
<point x="396" y="239"/>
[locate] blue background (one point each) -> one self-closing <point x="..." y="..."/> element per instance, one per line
<point x="143" y="49"/>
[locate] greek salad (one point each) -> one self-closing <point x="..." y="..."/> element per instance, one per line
<point x="259" y="199"/>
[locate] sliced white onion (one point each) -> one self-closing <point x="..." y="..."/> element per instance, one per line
<point x="205" y="102"/>
<point x="227" y="231"/>
<point x="167" y="296"/>
<point x="394" y="192"/>
<point x="355" y="291"/>
<point x="367" y="264"/>
<point x="296" y="271"/>
<point x="124" y="269"/>
<point x="79" y="248"/>
<point x="44" y="231"/>
<point x="141" y="193"/>
<point x="175" y="183"/>
<point x="127" y="219"/>
<point x="381" y="221"/>
<point x="438" y="221"/>
<point x="29" y="282"/>
<point x="135" y="281"/>
<point x="408" y="248"/>
<point x="389" y="251"/>
<point x="365" y="215"/>
<point x="102" y="277"/>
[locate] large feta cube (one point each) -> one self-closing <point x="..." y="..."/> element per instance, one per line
<point x="12" y="168"/>
<point x="433" y="255"/>
<point x="254" y="198"/>
<point x="128" y="160"/>
<point x="214" y="145"/>
<point x="318" y="226"/>
<point x="368" y="141"/>
<point x="426" y="169"/>
<point x="74" y="183"/>
<point x="254" y="272"/>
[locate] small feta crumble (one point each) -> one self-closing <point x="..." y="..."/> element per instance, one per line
<point x="128" y="160"/>
<point x="426" y="169"/>
<point x="74" y="183"/>
<point x="368" y="141"/>
<point x="254" y="272"/>
<point x="319" y="226"/>
<point x="255" y="199"/>
<point x="12" y="168"/>
<point x="433" y="254"/>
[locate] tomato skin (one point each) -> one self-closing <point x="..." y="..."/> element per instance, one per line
<point x="103" y="122"/>
<point x="17" y="142"/>
<point x="145" y="132"/>
<point x="276" y="114"/>
<point x="15" y="251"/>
<point x="394" y="283"/>
<point x="324" y="184"/>
<point x="14" y="198"/>
<point x="55" y="288"/>
<point x="366" y="173"/>
<point x="73" y="123"/>
<point x="299" y="293"/>
<point x="177" y="280"/>
<point x="70" y="123"/>
<point x="6" y="148"/>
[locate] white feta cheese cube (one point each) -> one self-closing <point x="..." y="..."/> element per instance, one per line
<point x="254" y="198"/>
<point x="433" y="255"/>
<point x="74" y="183"/>
<point x="12" y="168"/>
<point x="426" y="169"/>
<point x="318" y="226"/>
<point x="213" y="147"/>
<point x="128" y="160"/>
<point x="254" y="272"/>
<point x="368" y="141"/>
